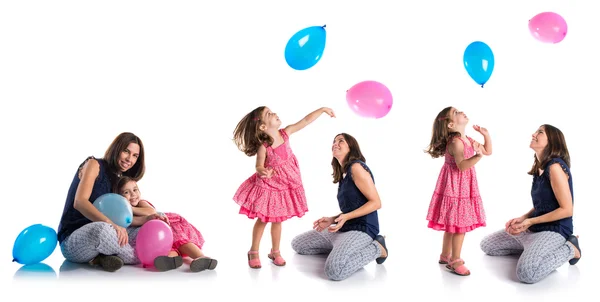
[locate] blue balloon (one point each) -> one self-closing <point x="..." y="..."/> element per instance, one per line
<point x="116" y="208"/>
<point x="305" y="48"/>
<point x="34" y="244"/>
<point x="479" y="62"/>
<point x="33" y="271"/>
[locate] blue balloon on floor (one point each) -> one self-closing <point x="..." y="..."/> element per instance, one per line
<point x="305" y="48"/>
<point x="34" y="244"/>
<point x="116" y="208"/>
<point x="479" y="62"/>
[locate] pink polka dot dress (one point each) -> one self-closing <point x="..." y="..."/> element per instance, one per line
<point x="280" y="197"/>
<point x="456" y="205"/>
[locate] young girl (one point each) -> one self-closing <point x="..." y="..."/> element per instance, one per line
<point x="187" y="240"/>
<point x="275" y="192"/>
<point x="456" y="206"/>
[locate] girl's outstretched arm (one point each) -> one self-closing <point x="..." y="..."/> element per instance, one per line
<point x="311" y="117"/>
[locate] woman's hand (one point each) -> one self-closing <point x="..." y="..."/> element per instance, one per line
<point x="322" y="223"/>
<point x="339" y="221"/>
<point x="122" y="236"/>
<point x="513" y="221"/>
<point x="519" y="227"/>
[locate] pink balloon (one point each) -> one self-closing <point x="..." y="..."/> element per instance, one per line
<point x="154" y="239"/>
<point x="370" y="99"/>
<point x="548" y="27"/>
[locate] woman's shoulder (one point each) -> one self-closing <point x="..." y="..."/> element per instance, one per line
<point x="357" y="166"/>
<point x="557" y="163"/>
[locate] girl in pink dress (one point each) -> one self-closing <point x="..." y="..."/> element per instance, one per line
<point x="187" y="240"/>
<point x="456" y="206"/>
<point x="275" y="192"/>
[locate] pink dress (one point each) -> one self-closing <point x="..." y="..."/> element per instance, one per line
<point x="456" y="205"/>
<point x="183" y="231"/>
<point x="277" y="198"/>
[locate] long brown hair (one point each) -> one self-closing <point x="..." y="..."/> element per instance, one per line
<point x="121" y="183"/>
<point x="113" y="152"/>
<point x="353" y="154"/>
<point x="556" y="148"/>
<point x="247" y="135"/>
<point x="441" y="134"/>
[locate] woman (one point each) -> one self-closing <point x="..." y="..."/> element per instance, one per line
<point x="84" y="233"/>
<point x="544" y="235"/>
<point x="351" y="238"/>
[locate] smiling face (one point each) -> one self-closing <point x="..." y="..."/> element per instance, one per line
<point x="131" y="192"/>
<point x="128" y="157"/>
<point x="340" y="148"/>
<point x="539" y="139"/>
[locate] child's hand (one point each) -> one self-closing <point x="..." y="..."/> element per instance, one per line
<point x="481" y="130"/>
<point x="478" y="148"/>
<point x="267" y="173"/>
<point x="329" y="111"/>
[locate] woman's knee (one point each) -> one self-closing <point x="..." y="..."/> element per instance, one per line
<point x="527" y="274"/>
<point x="335" y="271"/>
<point x="489" y="242"/>
<point x="302" y="242"/>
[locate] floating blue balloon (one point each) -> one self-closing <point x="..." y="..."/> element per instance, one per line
<point x="305" y="48"/>
<point x="116" y="208"/>
<point x="34" y="244"/>
<point x="479" y="62"/>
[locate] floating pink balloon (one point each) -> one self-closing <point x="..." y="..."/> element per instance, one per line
<point x="154" y="239"/>
<point x="548" y="27"/>
<point x="370" y="99"/>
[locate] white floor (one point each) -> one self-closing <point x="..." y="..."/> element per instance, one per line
<point x="410" y="271"/>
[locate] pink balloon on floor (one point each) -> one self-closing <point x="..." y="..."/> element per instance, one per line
<point x="154" y="239"/>
<point x="548" y="27"/>
<point x="370" y="99"/>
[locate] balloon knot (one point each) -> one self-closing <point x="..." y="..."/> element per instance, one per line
<point x="481" y="86"/>
<point x="324" y="25"/>
<point x="14" y="260"/>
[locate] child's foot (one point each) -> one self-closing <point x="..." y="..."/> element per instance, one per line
<point x="458" y="267"/>
<point x="166" y="263"/>
<point x="444" y="259"/>
<point x="384" y="251"/>
<point x="203" y="263"/>
<point x="108" y="263"/>
<point x="573" y="240"/>
<point x="275" y="255"/>
<point x="253" y="259"/>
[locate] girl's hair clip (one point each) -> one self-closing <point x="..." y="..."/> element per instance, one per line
<point x="442" y="118"/>
<point x="255" y="119"/>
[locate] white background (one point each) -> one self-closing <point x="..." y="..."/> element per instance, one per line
<point x="180" y="74"/>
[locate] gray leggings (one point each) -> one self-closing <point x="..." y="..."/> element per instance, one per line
<point x="541" y="252"/>
<point x="348" y="251"/>
<point x="96" y="238"/>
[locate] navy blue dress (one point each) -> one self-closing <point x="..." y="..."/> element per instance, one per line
<point x="544" y="201"/>
<point x="71" y="219"/>
<point x="351" y="198"/>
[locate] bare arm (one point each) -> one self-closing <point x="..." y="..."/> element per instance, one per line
<point x="311" y="117"/>
<point x="82" y="203"/>
<point x="363" y="181"/>
<point x="487" y="140"/>
<point x="560" y="186"/>
<point x="143" y="209"/>
<point x="456" y="149"/>
<point x="261" y="155"/>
